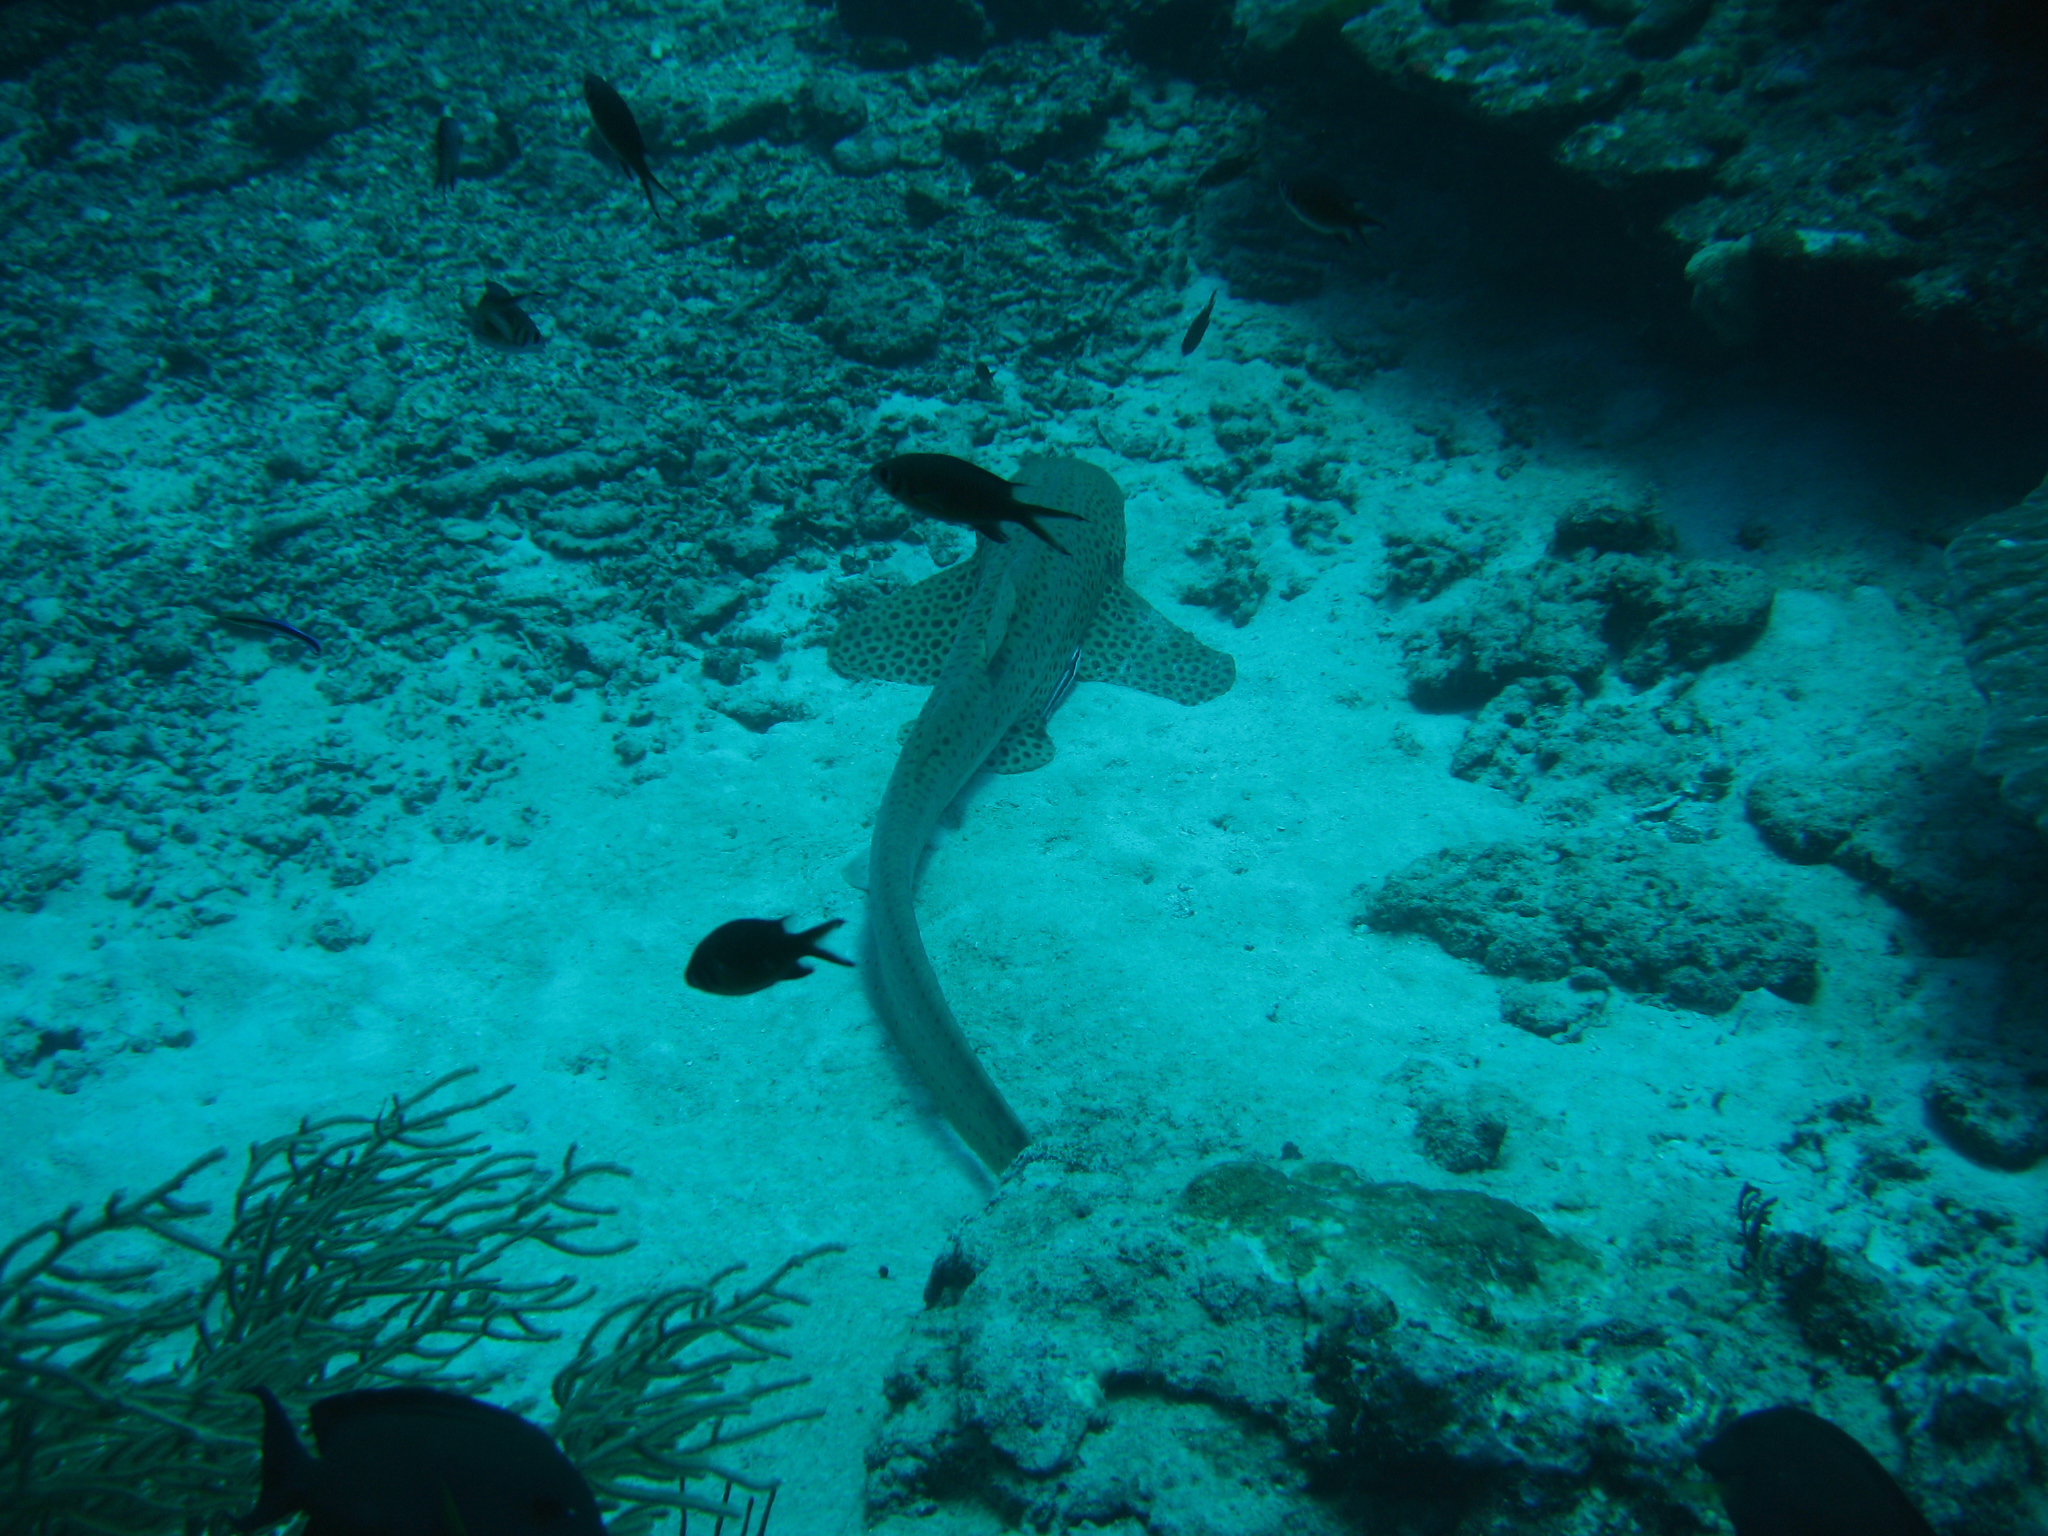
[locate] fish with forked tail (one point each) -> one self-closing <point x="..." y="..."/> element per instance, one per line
<point x="275" y="626"/>
<point x="620" y="131"/>
<point x="1327" y="208"/>
<point x="955" y="491"/>
<point x="751" y="954"/>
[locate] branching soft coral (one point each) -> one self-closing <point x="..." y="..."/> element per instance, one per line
<point x="361" y="1252"/>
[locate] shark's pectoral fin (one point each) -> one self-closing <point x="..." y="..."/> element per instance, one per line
<point x="904" y="637"/>
<point x="1024" y="746"/>
<point x="1132" y="643"/>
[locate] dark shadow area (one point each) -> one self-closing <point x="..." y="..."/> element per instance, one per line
<point x="32" y="30"/>
<point x="1488" y="218"/>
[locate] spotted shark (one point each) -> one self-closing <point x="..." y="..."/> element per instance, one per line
<point x="1000" y="639"/>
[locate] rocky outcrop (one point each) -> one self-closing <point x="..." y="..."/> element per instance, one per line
<point x="1657" y="919"/>
<point x="1144" y="1331"/>
<point x="1895" y="142"/>
<point x="1998" y="581"/>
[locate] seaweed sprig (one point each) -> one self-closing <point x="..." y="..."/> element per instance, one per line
<point x="1752" y="1215"/>
<point x="368" y="1249"/>
<point x="360" y="1252"/>
<point x="665" y="1358"/>
<point x="73" y="1337"/>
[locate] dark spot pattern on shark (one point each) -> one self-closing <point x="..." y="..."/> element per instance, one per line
<point x="1000" y="639"/>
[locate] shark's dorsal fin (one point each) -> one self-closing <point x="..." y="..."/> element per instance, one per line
<point x="1133" y="644"/>
<point x="904" y="637"/>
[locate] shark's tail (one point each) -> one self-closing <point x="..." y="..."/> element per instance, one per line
<point x="906" y="994"/>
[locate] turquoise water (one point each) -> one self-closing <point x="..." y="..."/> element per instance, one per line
<point x="1590" y="832"/>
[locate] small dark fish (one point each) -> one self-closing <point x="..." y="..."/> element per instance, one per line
<point x="275" y="626"/>
<point x="984" y="381"/>
<point x="1327" y="208"/>
<point x="751" y="954"/>
<point x="1199" y="329"/>
<point x="621" y="134"/>
<point x="1787" y="1472"/>
<point x="498" y="319"/>
<point x="411" y="1459"/>
<point x="447" y="153"/>
<point x="955" y="491"/>
<point x="1228" y="169"/>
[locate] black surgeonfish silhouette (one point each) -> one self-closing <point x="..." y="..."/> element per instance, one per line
<point x="414" y="1459"/>
<point x="1787" y="1472"/>
<point x="620" y="131"/>
<point x="447" y="153"/>
<point x="955" y="491"/>
<point x="751" y="954"/>
<point x="1199" y="329"/>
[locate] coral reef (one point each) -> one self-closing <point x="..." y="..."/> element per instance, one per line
<point x="1460" y="1137"/>
<point x="1544" y="734"/>
<point x="1640" y="913"/>
<point x="1996" y="1115"/>
<point x="64" y="1057"/>
<point x="1193" y="1340"/>
<point x="453" y="523"/>
<point x="1998" y="570"/>
<point x="1647" y="615"/>
<point x="360" y="1252"/>
<point x="1423" y="567"/>
<point x="1775" y="136"/>
<point x="1931" y="835"/>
